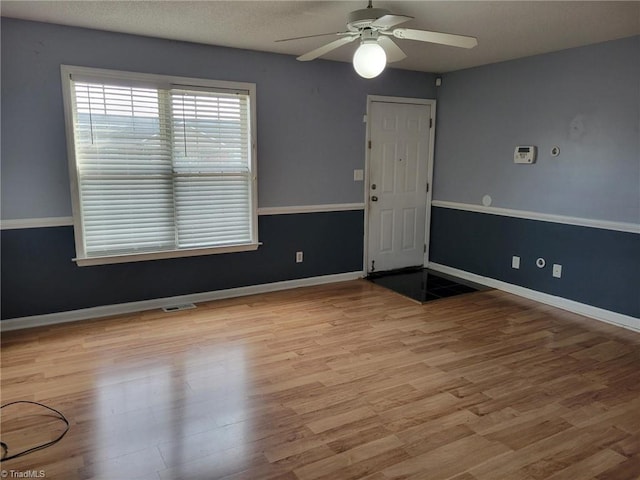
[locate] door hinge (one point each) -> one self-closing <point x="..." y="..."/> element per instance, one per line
<point x="431" y="123"/>
<point x="369" y="144"/>
<point x="427" y="188"/>
<point x="373" y="265"/>
<point x="424" y="250"/>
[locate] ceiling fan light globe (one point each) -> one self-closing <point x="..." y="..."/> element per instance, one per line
<point x="369" y="60"/>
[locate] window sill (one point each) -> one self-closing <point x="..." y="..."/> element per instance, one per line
<point x="141" y="257"/>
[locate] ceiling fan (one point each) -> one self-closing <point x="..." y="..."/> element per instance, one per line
<point x="375" y="27"/>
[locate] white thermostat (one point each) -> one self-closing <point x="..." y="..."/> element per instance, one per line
<point x="524" y="154"/>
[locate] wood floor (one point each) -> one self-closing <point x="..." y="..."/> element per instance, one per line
<point x="332" y="382"/>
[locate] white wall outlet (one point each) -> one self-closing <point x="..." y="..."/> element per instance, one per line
<point x="515" y="262"/>
<point x="557" y="270"/>
<point x="358" y="175"/>
<point x="299" y="257"/>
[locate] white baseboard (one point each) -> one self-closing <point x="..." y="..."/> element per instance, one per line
<point x="596" y="313"/>
<point x="590" y="311"/>
<point x="109" y="310"/>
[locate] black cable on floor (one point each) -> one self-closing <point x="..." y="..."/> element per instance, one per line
<point x="5" y="447"/>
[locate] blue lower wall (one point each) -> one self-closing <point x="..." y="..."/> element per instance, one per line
<point x="38" y="276"/>
<point x="599" y="267"/>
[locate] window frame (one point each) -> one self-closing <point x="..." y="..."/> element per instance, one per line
<point x="154" y="81"/>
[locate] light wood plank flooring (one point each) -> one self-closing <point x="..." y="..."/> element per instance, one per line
<point x="332" y="382"/>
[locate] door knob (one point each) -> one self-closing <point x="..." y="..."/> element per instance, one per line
<point x="374" y="199"/>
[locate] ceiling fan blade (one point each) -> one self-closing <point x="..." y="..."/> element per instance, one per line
<point x="388" y="21"/>
<point x="450" y="39"/>
<point x="308" y="36"/>
<point x="393" y="51"/>
<point x="318" y="52"/>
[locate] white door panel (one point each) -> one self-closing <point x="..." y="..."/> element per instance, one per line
<point x="398" y="175"/>
<point x="409" y="224"/>
<point x="386" y="231"/>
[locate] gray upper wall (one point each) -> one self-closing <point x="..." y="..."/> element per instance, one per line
<point x="311" y="134"/>
<point x="585" y="100"/>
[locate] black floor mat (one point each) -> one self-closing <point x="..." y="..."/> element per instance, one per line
<point x="424" y="285"/>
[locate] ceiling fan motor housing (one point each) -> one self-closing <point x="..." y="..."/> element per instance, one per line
<point x="363" y="18"/>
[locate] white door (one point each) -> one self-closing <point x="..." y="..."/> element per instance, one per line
<point x="398" y="189"/>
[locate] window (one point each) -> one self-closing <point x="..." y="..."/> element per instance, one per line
<point x="160" y="166"/>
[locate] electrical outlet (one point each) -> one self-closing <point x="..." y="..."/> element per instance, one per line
<point x="515" y="262"/>
<point x="299" y="257"/>
<point x="557" y="270"/>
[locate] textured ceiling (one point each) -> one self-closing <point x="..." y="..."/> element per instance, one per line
<point x="505" y="29"/>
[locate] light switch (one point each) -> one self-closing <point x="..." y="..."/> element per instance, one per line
<point x="358" y="175"/>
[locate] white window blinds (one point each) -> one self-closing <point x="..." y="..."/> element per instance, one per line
<point x="211" y="166"/>
<point x="162" y="169"/>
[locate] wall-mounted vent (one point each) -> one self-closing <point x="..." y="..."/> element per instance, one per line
<point x="177" y="308"/>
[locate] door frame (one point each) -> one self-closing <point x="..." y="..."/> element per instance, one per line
<point x="367" y="165"/>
